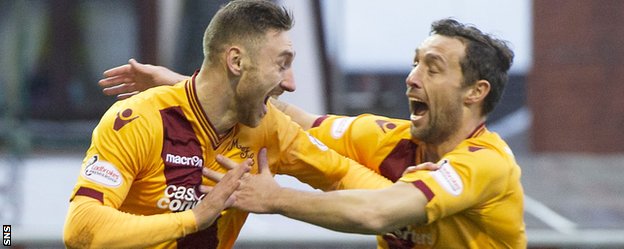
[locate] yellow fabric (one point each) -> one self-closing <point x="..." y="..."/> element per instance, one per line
<point x="476" y="201"/>
<point x="146" y="158"/>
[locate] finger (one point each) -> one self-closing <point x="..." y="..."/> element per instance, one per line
<point x="133" y="62"/>
<point x="136" y="66"/>
<point x="212" y="175"/>
<point x="428" y="166"/>
<point x="240" y="170"/>
<point x="115" y="80"/>
<point x="123" y="69"/>
<point x="422" y="166"/>
<point x="263" y="162"/>
<point x="119" y="89"/>
<point x="226" y="162"/>
<point x="230" y="201"/>
<point x="126" y="95"/>
<point x="205" y="188"/>
<point x="232" y="177"/>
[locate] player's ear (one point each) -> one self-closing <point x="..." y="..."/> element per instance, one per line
<point x="477" y="92"/>
<point x="233" y="59"/>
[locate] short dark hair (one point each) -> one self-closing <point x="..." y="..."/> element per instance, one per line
<point x="245" y="22"/>
<point x="487" y="58"/>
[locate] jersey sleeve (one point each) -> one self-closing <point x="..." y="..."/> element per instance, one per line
<point x="464" y="180"/>
<point x="110" y="228"/>
<point x="308" y="159"/>
<point x="121" y="148"/>
<point x="357" y="137"/>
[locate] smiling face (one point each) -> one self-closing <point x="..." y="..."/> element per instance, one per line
<point x="266" y="72"/>
<point x="434" y="89"/>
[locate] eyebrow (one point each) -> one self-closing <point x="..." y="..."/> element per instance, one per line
<point x="435" y="59"/>
<point x="430" y="58"/>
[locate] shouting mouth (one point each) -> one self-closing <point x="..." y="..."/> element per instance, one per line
<point x="418" y="109"/>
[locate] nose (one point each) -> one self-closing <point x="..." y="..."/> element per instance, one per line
<point x="412" y="81"/>
<point x="288" y="84"/>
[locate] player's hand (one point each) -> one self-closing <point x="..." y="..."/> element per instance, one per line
<point x="254" y="194"/>
<point x="134" y="77"/>
<point x="423" y="166"/>
<point x="220" y="196"/>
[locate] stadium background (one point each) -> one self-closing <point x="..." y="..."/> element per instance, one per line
<point x="562" y="112"/>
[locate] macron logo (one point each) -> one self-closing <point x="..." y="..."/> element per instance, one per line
<point x="185" y="160"/>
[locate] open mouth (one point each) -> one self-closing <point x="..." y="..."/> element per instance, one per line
<point x="418" y="108"/>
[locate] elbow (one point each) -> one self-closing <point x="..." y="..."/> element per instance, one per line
<point x="77" y="233"/>
<point x="374" y="222"/>
<point x="380" y="222"/>
<point x="74" y="237"/>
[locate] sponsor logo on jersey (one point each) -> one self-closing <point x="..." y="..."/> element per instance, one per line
<point x="340" y="126"/>
<point x="195" y="161"/>
<point x="102" y="172"/>
<point x="318" y="143"/>
<point x="123" y="118"/>
<point x="448" y="178"/>
<point x="179" y="198"/>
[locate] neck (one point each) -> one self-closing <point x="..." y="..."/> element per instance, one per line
<point x="435" y="151"/>
<point x="217" y="99"/>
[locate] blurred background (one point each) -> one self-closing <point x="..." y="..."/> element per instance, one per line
<point x="562" y="112"/>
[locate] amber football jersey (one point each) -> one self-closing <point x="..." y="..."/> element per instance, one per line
<point x="147" y="155"/>
<point x="475" y="200"/>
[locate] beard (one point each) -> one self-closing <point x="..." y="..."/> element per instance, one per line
<point x="441" y="126"/>
<point x="248" y="114"/>
<point x="248" y="100"/>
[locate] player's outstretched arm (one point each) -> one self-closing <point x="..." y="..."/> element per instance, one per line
<point x="134" y="77"/>
<point x="298" y="115"/>
<point x="354" y="211"/>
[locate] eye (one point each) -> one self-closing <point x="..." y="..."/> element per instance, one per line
<point x="433" y="70"/>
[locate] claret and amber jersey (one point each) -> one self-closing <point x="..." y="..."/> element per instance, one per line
<point x="475" y="200"/>
<point x="146" y="160"/>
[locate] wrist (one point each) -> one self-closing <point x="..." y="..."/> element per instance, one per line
<point x="279" y="200"/>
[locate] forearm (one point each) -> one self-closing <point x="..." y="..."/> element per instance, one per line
<point x="169" y="77"/>
<point x="351" y="211"/>
<point x="298" y="115"/>
<point x="90" y="224"/>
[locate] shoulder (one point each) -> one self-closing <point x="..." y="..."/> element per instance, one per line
<point x="486" y="154"/>
<point x="366" y="124"/>
<point x="142" y="111"/>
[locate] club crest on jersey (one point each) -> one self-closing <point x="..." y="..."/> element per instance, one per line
<point x="102" y="172"/>
<point x="340" y="126"/>
<point x="123" y="118"/>
<point x="448" y="178"/>
<point x="385" y="125"/>
<point x="245" y="151"/>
